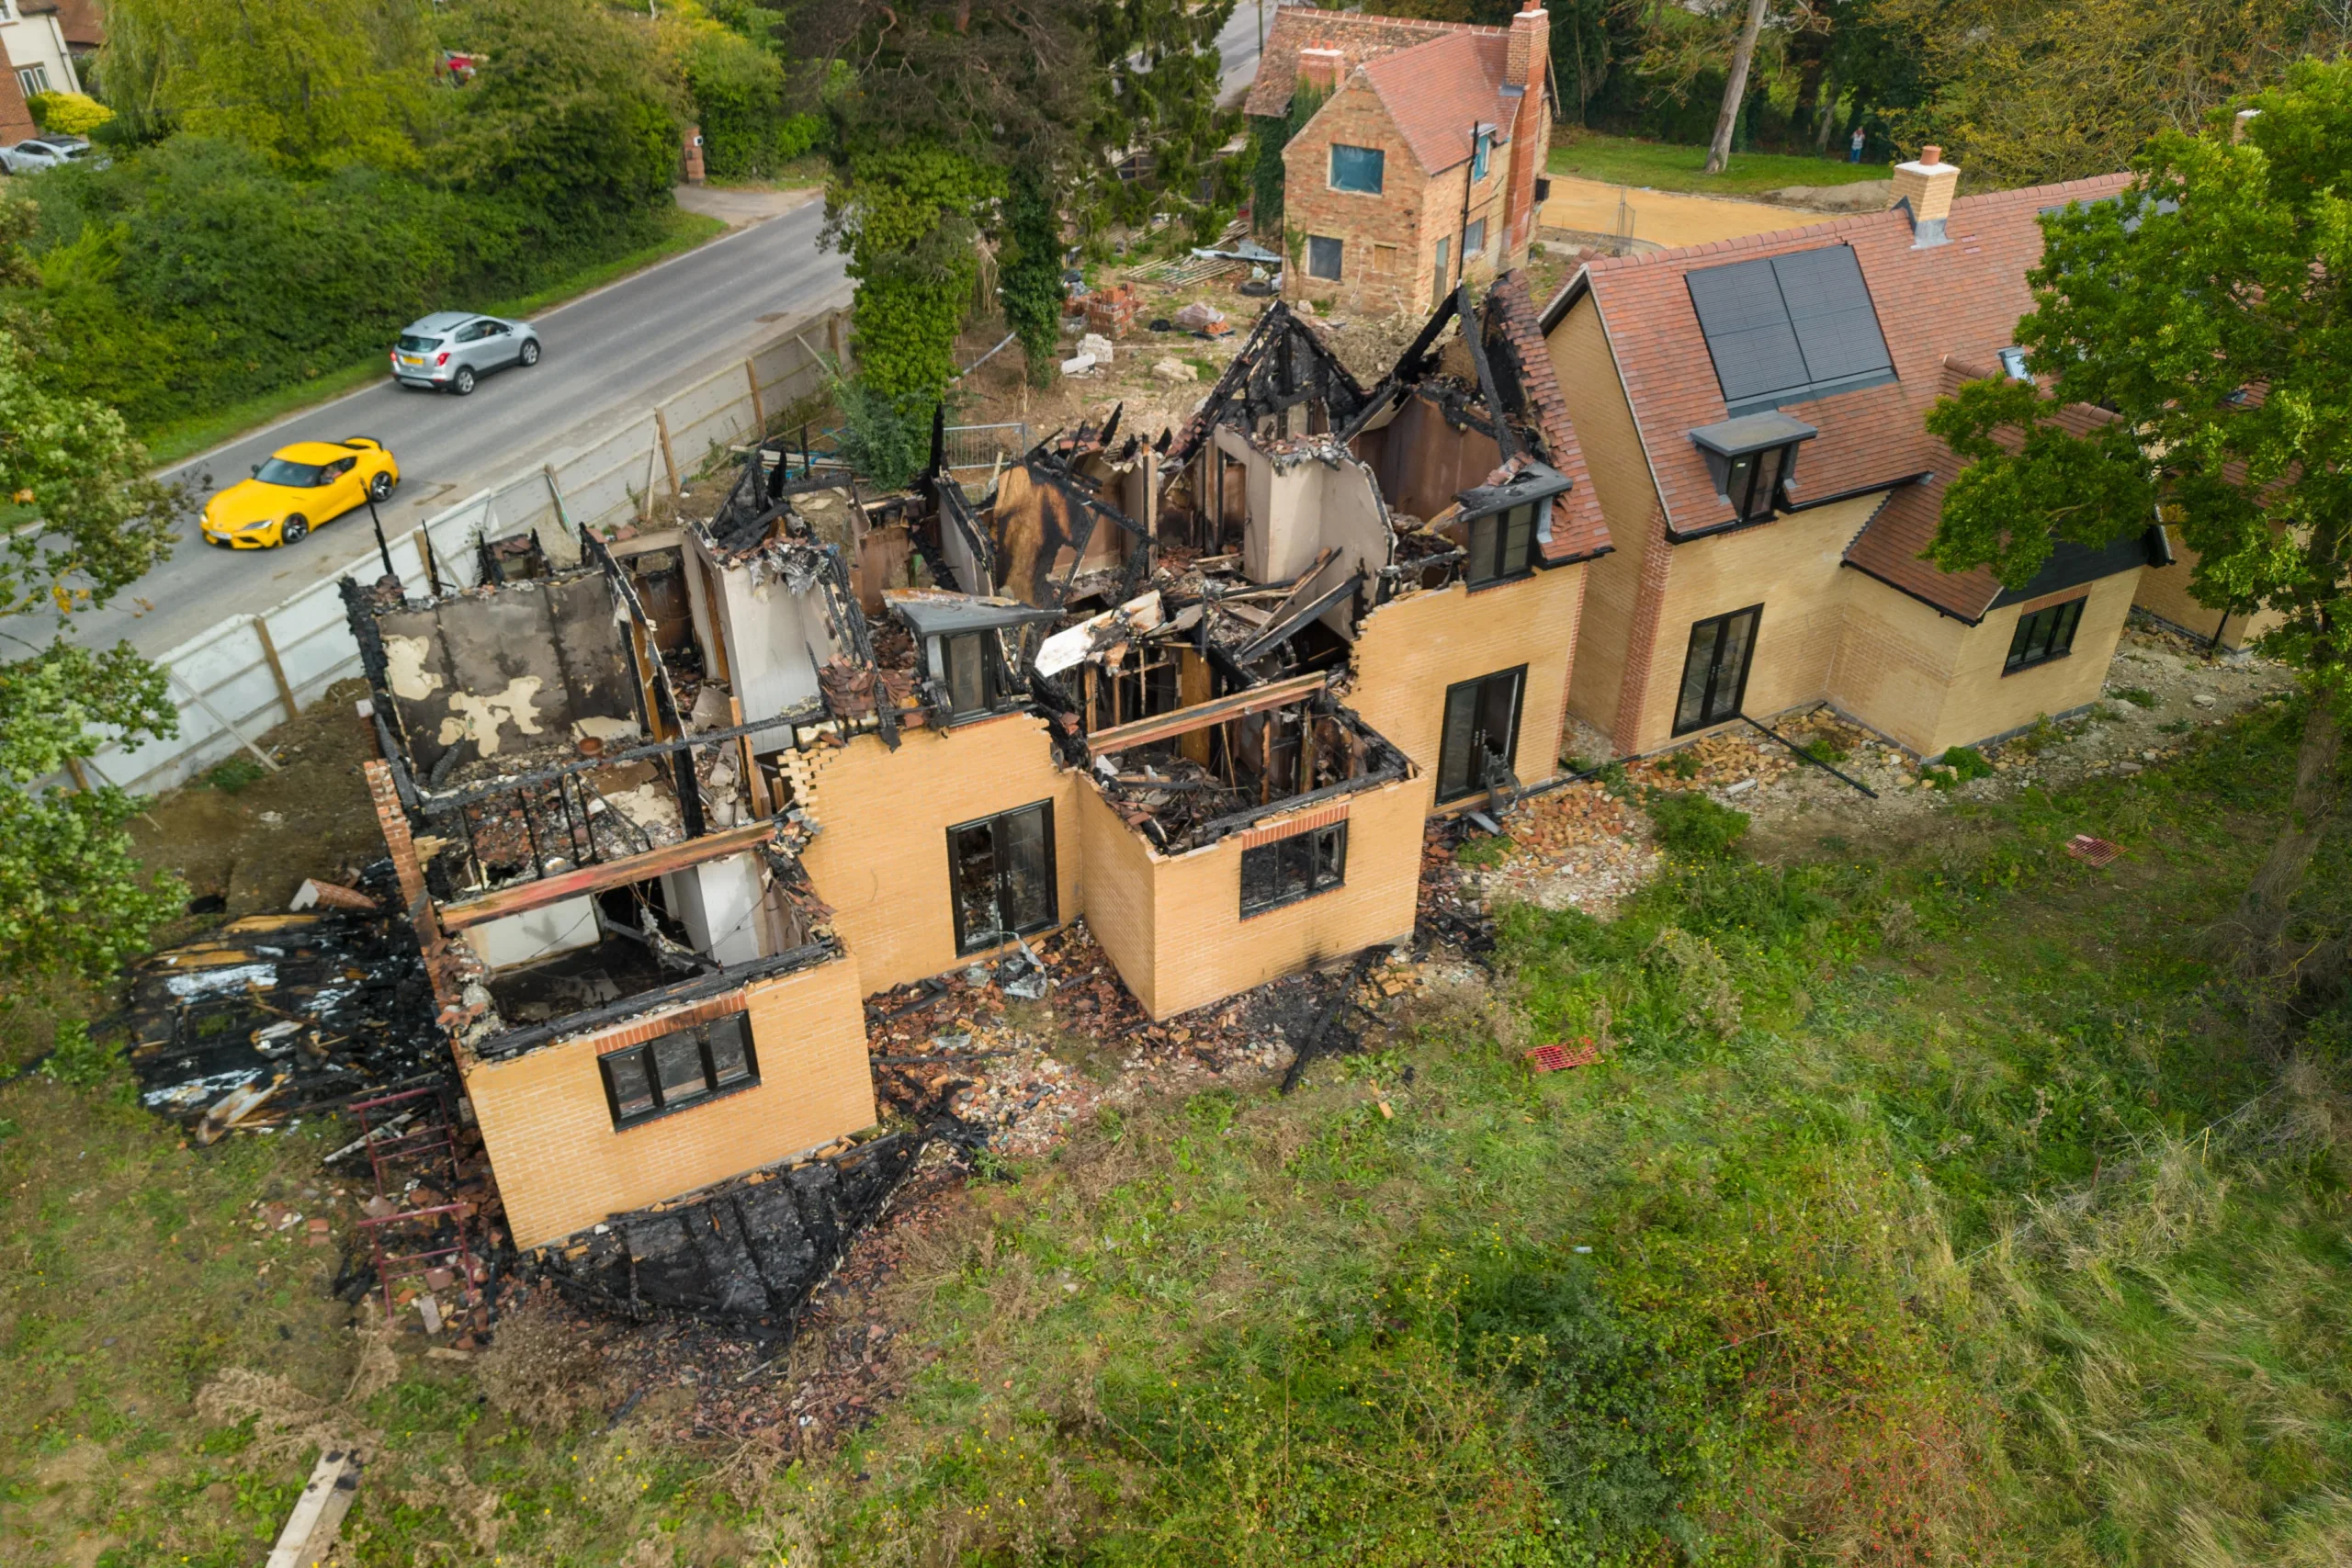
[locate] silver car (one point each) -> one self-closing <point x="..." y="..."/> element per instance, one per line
<point x="47" y="152"/>
<point x="454" y="349"/>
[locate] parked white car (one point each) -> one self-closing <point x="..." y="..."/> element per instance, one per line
<point x="39" y="153"/>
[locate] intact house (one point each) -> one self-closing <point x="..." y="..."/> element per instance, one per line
<point x="665" y="819"/>
<point x="1424" y="167"/>
<point x="1752" y="414"/>
<point x="36" y="48"/>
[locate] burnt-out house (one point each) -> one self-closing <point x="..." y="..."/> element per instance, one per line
<point x="665" y="819"/>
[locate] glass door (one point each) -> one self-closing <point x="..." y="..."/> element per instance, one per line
<point x="1715" y="669"/>
<point x="1481" y="721"/>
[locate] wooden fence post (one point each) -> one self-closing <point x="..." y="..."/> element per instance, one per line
<point x="759" y="413"/>
<point x="277" y="668"/>
<point x="668" y="458"/>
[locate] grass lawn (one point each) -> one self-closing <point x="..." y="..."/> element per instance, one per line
<point x="185" y="438"/>
<point x="1622" y="160"/>
<point x="1933" y="1204"/>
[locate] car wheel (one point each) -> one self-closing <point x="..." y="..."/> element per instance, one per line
<point x="463" y="381"/>
<point x="380" y="488"/>
<point x="292" y="531"/>
<point x="530" y="352"/>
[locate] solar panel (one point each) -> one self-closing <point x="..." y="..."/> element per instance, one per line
<point x="1790" y="327"/>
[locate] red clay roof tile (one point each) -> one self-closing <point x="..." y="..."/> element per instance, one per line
<point x="1436" y="92"/>
<point x="1358" y="37"/>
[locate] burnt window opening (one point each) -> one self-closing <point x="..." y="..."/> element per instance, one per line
<point x="679" y="1069"/>
<point x="1000" y="877"/>
<point x="2044" y="636"/>
<point x="1503" y="544"/>
<point x="966" y="672"/>
<point x="1297" y="867"/>
<point x="1481" y="729"/>
<point x="1753" y="461"/>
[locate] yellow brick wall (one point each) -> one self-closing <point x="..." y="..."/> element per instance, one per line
<point x="1792" y="566"/>
<point x="881" y="857"/>
<point x="1119" y="879"/>
<point x="1204" y="951"/>
<point x="1984" y="703"/>
<point x="2163" y="591"/>
<point x="1411" y="649"/>
<point x="1621" y="482"/>
<point x="1895" y="661"/>
<point x="562" y="1166"/>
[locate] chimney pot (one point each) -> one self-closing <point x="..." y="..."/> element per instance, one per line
<point x="1931" y="154"/>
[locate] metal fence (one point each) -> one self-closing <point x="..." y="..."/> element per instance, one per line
<point x="980" y="445"/>
<point x="244" y="675"/>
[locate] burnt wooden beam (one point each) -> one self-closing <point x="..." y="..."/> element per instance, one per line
<point x="545" y="890"/>
<point x="1169" y="725"/>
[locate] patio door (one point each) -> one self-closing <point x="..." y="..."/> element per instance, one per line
<point x="1715" y="669"/>
<point x="1481" y="721"/>
<point x="1000" y="872"/>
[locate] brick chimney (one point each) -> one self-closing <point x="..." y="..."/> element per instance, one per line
<point x="1321" y="68"/>
<point x="1927" y="185"/>
<point x="1531" y="126"/>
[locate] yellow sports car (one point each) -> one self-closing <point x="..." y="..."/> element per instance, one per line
<point x="300" y="487"/>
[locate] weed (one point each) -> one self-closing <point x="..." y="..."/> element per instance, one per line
<point x="1693" y="826"/>
<point x="1697" y="980"/>
<point x="234" y="774"/>
<point x="1487" y="851"/>
<point x="2040" y="738"/>
<point x="1957" y="766"/>
<point x="2177" y="726"/>
<point x="78" y="1061"/>
<point x="2138" y="696"/>
<point x="1681" y="765"/>
<point x="1824" y="750"/>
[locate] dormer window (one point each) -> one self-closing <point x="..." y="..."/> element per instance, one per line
<point x="1504" y="526"/>
<point x="965" y="669"/>
<point x="2013" y="365"/>
<point x="963" y="660"/>
<point x="1753" y="460"/>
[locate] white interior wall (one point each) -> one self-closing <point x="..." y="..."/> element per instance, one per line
<point x="773" y="634"/>
<point x="715" y="901"/>
<point x="535" y="933"/>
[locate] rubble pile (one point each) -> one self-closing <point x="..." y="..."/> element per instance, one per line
<point x="275" y="1017"/>
<point x="1716" y="762"/>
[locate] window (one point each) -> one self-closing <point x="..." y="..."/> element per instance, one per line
<point x="1437" y="280"/>
<point x="33" y="79"/>
<point x="1478" y="161"/>
<point x="1502" y="543"/>
<point x="2013" y="367"/>
<point x="1000" y="877"/>
<point x="1481" y="723"/>
<point x="1715" y="669"/>
<point x="1294" y="868"/>
<point x="679" y="1069"/>
<point x="1474" y="240"/>
<point x="1322" y="257"/>
<point x="1752" y="483"/>
<point x="1753" y="459"/>
<point x="1359" y="169"/>
<point x="2043" y="635"/>
<point x="964" y="671"/>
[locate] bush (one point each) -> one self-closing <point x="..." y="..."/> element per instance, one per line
<point x="68" y="114"/>
<point x="1695" y="827"/>
<point x="1958" y="766"/>
<point x="886" y="439"/>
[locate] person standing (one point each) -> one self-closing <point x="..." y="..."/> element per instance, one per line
<point x="1854" y="148"/>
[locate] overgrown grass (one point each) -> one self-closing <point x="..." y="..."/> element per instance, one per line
<point x="1622" y="160"/>
<point x="182" y="439"/>
<point x="1927" y="1206"/>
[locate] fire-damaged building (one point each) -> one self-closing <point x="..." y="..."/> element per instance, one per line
<point x="664" y="820"/>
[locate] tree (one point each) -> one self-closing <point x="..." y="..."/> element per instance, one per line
<point x="1029" y="277"/>
<point x="315" y="83"/>
<point x="2210" y="308"/>
<point x="1743" y="55"/>
<point x="72" y="897"/>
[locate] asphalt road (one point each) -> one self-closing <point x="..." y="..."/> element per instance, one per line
<point x="1236" y="48"/>
<point x="620" y="349"/>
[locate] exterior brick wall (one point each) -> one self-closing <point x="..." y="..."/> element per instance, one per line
<point x="16" y="119"/>
<point x="880" y="856"/>
<point x="1202" y="950"/>
<point x="1895" y="662"/>
<point x="1621" y="482"/>
<point x="1411" y="649"/>
<point x="1982" y="702"/>
<point x="2163" y="591"/>
<point x="1383" y="260"/>
<point x="561" y="1165"/>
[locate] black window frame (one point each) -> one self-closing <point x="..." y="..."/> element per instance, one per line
<point x="1709" y="713"/>
<point x="1338" y="256"/>
<point x="968" y="943"/>
<point x="981" y="641"/>
<point x="1380" y="169"/>
<point x="736" y="1026"/>
<point x="1488" y="560"/>
<point x="2057" y="623"/>
<point x="1509" y="750"/>
<point x="1743" y="481"/>
<point x="1325" y="853"/>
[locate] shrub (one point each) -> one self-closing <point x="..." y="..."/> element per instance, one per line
<point x="886" y="439"/>
<point x="2138" y="696"/>
<point x="1957" y="766"/>
<point x="1693" y="826"/>
<point x="68" y="114"/>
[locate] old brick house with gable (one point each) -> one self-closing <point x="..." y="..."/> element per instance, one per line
<point x="1752" y="412"/>
<point x="1423" y="168"/>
